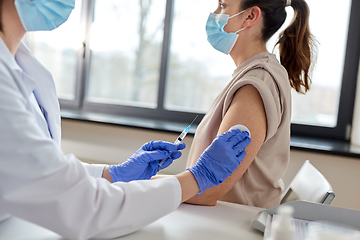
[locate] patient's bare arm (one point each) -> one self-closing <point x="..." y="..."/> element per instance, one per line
<point x="247" y="109"/>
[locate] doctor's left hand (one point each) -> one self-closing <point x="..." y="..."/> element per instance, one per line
<point x="144" y="163"/>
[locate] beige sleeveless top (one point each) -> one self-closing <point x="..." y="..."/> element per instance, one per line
<point x="261" y="184"/>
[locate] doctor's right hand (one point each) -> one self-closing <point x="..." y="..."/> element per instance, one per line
<point x="144" y="163"/>
<point x="220" y="159"/>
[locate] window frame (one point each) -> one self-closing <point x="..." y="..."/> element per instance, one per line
<point x="82" y="59"/>
<point x="347" y="93"/>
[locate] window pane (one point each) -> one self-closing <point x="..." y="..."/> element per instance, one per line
<point x="57" y="51"/>
<point x="197" y="71"/>
<point x="320" y="105"/>
<point x="126" y="42"/>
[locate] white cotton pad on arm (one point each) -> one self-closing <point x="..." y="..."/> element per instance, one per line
<point x="241" y="128"/>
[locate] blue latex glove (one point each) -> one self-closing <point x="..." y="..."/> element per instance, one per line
<point x="220" y="159"/>
<point x="144" y="163"/>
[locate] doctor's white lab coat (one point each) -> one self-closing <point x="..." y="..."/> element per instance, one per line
<point x="40" y="184"/>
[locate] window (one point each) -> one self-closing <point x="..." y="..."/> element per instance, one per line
<point x="125" y="42"/>
<point x="190" y="75"/>
<point x="319" y="107"/>
<point x="150" y="59"/>
<point x="333" y="93"/>
<point x="59" y="54"/>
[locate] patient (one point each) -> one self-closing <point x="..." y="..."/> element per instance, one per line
<point x="258" y="96"/>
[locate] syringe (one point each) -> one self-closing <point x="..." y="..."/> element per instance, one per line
<point x="181" y="137"/>
<point x="183" y="134"/>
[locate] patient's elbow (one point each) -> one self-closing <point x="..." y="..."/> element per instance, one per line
<point x="202" y="200"/>
<point x="211" y="203"/>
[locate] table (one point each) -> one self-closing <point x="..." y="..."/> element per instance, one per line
<point x="224" y="221"/>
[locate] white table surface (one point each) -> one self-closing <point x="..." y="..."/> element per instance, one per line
<point x="224" y="221"/>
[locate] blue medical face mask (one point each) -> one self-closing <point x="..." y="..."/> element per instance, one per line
<point x="43" y="15"/>
<point x="216" y="36"/>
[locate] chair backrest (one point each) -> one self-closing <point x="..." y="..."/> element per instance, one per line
<point x="309" y="185"/>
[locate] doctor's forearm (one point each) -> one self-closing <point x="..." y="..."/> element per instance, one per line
<point x="106" y="174"/>
<point x="189" y="185"/>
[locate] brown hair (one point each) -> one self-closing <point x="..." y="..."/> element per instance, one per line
<point x="297" y="46"/>
<point x="1" y="3"/>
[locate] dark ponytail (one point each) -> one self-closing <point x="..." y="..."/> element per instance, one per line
<point x="296" y="43"/>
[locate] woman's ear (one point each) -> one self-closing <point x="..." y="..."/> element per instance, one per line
<point x="252" y="17"/>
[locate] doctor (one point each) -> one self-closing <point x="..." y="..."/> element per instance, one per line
<point x="40" y="184"/>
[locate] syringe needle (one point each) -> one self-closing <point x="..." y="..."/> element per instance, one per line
<point x="193" y="120"/>
<point x="180" y="137"/>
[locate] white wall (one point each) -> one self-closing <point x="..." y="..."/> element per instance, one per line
<point x="96" y="143"/>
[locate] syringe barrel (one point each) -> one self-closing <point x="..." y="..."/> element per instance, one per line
<point x="181" y="136"/>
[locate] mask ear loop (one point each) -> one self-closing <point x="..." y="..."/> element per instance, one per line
<point x="237" y="14"/>
<point x="239" y="30"/>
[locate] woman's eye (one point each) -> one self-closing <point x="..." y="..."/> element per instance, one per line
<point x="221" y="4"/>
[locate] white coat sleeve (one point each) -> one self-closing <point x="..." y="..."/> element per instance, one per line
<point x="40" y="184"/>
<point x="95" y="170"/>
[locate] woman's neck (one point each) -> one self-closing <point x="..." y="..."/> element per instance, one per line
<point x="11" y="41"/>
<point x="13" y="31"/>
<point x="243" y="51"/>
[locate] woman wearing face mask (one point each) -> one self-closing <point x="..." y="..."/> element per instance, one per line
<point x="258" y="96"/>
<point x="42" y="185"/>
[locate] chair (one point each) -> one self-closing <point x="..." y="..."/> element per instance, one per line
<point x="309" y="185"/>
